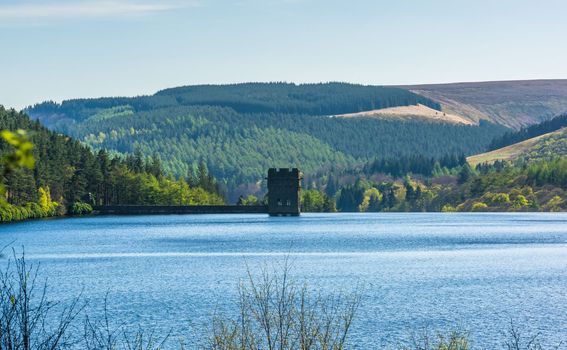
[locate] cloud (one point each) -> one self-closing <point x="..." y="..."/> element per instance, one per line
<point x="85" y="9"/>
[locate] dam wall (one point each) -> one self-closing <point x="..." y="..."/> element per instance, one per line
<point x="179" y="209"/>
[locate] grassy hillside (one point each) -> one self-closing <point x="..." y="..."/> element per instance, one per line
<point x="529" y="132"/>
<point x="241" y="130"/>
<point x="510" y="103"/>
<point x="543" y="147"/>
<point x="417" y="112"/>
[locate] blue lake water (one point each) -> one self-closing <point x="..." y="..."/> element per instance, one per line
<point x="438" y="271"/>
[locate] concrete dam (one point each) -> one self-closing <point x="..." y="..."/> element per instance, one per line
<point x="284" y="187"/>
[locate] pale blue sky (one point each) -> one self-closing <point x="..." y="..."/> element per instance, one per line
<point x="60" y="49"/>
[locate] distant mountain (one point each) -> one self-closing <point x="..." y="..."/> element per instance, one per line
<point x="284" y="98"/>
<point x="510" y="103"/>
<point x="240" y="130"/>
<point x="544" y="147"/>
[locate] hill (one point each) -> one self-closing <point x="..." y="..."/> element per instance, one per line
<point x="510" y="103"/>
<point x="285" y="98"/>
<point x="413" y="112"/>
<point x="544" y="147"/>
<point x="525" y="133"/>
<point x="69" y="177"/>
<point x="240" y="130"/>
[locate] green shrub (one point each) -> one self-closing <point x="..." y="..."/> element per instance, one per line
<point x="554" y="204"/>
<point x="520" y="202"/>
<point x="248" y="200"/>
<point x="501" y="198"/>
<point x="448" y="208"/>
<point x="479" y="206"/>
<point x="80" y="208"/>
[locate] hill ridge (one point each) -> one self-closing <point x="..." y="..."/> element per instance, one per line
<point x="547" y="146"/>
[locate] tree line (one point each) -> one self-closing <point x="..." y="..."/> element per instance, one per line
<point x="525" y="133"/>
<point x="278" y="97"/>
<point x="501" y="186"/>
<point x="238" y="148"/>
<point x="240" y="130"/>
<point x="414" y="164"/>
<point x="68" y="177"/>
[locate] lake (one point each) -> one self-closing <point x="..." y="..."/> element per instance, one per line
<point x="473" y="272"/>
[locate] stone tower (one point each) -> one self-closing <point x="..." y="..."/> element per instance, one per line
<point x="283" y="191"/>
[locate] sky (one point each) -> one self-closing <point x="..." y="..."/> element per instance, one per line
<point x="62" y="49"/>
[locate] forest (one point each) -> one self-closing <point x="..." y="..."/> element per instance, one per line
<point x="213" y="143"/>
<point x="68" y="178"/>
<point x="535" y="181"/>
<point x="241" y="130"/>
<point x="525" y="133"/>
<point x="415" y="164"/>
<point x="286" y="98"/>
<point x="445" y="184"/>
<point x="501" y="186"/>
<point x="239" y="148"/>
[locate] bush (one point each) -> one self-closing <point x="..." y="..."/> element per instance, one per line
<point x="248" y="200"/>
<point x="28" y="319"/>
<point x="479" y="206"/>
<point x="501" y="198"/>
<point x="554" y="204"/>
<point x="520" y="202"/>
<point x="316" y="201"/>
<point x="35" y="211"/>
<point x="80" y="208"/>
<point x="277" y="313"/>
<point x="448" y="208"/>
<point x="452" y="341"/>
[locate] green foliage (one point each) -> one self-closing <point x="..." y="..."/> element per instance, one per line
<point x="548" y="148"/>
<point x="549" y="172"/>
<point x="45" y="203"/>
<point x="316" y="201"/>
<point x="554" y="204"/>
<point x="448" y="208"/>
<point x="414" y="164"/>
<point x="520" y="202"/>
<point x="32" y="210"/>
<point x="114" y="112"/>
<point x="248" y="200"/>
<point x="22" y="156"/>
<point x="145" y="189"/>
<point x="479" y="206"/>
<point x="465" y="174"/>
<point x="367" y="196"/>
<point x="45" y="172"/>
<point x="312" y="99"/>
<point x="501" y="198"/>
<point x="541" y="186"/>
<point x="350" y="197"/>
<point x="371" y="200"/>
<point x="525" y="133"/>
<point x="241" y="130"/>
<point x="80" y="208"/>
